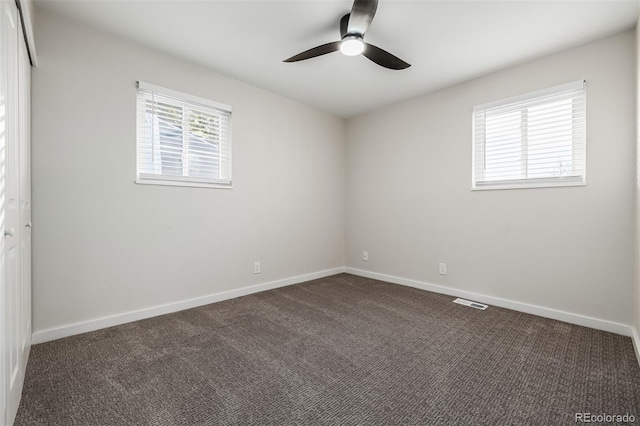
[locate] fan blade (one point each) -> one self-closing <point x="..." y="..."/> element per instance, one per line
<point x="316" y="51"/>
<point x="384" y="58"/>
<point x="343" y="25"/>
<point x="362" y="14"/>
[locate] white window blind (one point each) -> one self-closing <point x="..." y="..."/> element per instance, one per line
<point x="533" y="140"/>
<point x="182" y="139"/>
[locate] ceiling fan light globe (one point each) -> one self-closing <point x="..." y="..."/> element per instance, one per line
<point x="352" y="46"/>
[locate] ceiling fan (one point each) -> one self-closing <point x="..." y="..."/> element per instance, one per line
<point x="352" y="28"/>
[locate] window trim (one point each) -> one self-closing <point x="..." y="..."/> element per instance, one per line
<point x="184" y="181"/>
<point x="547" y="182"/>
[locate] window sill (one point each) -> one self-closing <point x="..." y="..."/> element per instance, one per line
<point x="187" y="184"/>
<point x="527" y="186"/>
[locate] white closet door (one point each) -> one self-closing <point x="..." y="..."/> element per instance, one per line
<point x="15" y="211"/>
<point x="14" y="302"/>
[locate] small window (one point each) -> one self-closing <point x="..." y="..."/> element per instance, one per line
<point x="533" y="140"/>
<point x="182" y="139"/>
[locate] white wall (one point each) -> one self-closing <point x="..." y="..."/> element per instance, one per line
<point x="104" y="245"/>
<point x="410" y="206"/>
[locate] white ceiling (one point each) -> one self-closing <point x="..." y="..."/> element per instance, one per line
<point x="446" y="42"/>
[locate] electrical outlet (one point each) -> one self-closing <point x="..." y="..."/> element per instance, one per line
<point x="442" y="268"/>
<point x="256" y="267"/>
<point x="365" y="255"/>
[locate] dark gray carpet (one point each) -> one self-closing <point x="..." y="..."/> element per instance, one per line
<point x="338" y="350"/>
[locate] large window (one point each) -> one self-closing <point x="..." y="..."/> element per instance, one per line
<point x="182" y="139"/>
<point x="533" y="140"/>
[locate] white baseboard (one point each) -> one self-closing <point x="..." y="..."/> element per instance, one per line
<point x="110" y="321"/>
<point x="636" y="342"/>
<point x="569" y="317"/>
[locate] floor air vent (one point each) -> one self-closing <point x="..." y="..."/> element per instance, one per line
<point x="470" y="303"/>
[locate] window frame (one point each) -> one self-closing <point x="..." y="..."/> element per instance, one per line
<point x="578" y="144"/>
<point x="197" y="103"/>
